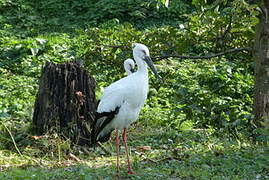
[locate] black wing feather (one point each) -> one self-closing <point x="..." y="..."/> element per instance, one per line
<point x="109" y="116"/>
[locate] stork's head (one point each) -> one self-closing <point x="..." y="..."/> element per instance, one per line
<point x="129" y="66"/>
<point x="142" y="52"/>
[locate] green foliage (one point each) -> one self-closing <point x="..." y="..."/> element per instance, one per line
<point x="222" y="24"/>
<point x="25" y="56"/>
<point x="107" y="46"/>
<point x="20" y="15"/>
<point x="219" y="95"/>
<point x="32" y="17"/>
<point x="141" y="13"/>
<point x="16" y="96"/>
<point x="215" y="94"/>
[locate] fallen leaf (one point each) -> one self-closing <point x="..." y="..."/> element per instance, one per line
<point x="143" y="148"/>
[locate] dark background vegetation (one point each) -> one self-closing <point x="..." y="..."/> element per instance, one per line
<point x="214" y="96"/>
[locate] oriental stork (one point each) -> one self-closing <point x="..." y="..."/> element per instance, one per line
<point x="122" y="101"/>
<point x="129" y="66"/>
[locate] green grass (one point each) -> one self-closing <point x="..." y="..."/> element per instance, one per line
<point x="189" y="154"/>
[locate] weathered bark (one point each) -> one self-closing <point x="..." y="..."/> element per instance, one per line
<point x="65" y="102"/>
<point x="261" y="58"/>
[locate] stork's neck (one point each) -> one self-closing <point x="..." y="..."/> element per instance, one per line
<point x="141" y="65"/>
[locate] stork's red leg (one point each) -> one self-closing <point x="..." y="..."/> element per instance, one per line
<point x="124" y="138"/>
<point x="118" y="150"/>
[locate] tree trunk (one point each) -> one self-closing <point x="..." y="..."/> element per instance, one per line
<point x="261" y="58"/>
<point x="65" y="102"/>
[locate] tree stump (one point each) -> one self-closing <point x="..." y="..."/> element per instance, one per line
<point x="65" y="102"/>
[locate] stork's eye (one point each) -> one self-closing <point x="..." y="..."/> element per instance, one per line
<point x="144" y="52"/>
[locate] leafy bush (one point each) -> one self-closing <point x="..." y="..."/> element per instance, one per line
<point x="216" y="94"/>
<point x="105" y="48"/>
<point x="213" y="93"/>
<point x="17" y="94"/>
<point x="221" y="25"/>
<point x="140" y="13"/>
<point x="32" y="17"/>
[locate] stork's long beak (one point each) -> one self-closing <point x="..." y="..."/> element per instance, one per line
<point x="153" y="68"/>
<point x="132" y="70"/>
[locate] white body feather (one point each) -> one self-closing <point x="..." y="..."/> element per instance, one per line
<point x="129" y="94"/>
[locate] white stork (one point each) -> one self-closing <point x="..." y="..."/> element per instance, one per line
<point x="122" y="101"/>
<point x="129" y="66"/>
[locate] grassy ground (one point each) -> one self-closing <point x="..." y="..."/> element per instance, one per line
<point x="156" y="154"/>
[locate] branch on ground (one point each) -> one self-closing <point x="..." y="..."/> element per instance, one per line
<point x="230" y="51"/>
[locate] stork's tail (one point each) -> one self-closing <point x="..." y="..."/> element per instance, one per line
<point x="102" y="121"/>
